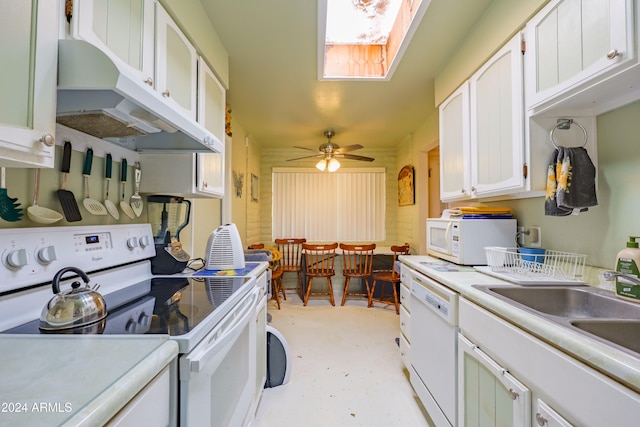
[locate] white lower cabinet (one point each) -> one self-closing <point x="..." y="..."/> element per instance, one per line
<point x="154" y="405"/>
<point x="489" y="395"/>
<point x="507" y="376"/>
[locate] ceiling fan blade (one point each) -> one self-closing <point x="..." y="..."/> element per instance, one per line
<point x="355" y="157"/>
<point x="305" y="148"/>
<point x="307" y="157"/>
<point x="348" y="148"/>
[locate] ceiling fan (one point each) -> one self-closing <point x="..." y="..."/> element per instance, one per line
<point x="329" y="152"/>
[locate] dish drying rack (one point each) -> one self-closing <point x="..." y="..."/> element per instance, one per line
<point x="552" y="267"/>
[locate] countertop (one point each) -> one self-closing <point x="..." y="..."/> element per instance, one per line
<point x="75" y="380"/>
<point x="619" y="365"/>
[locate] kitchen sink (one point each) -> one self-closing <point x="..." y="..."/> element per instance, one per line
<point x="575" y="301"/>
<point x="625" y="333"/>
<point x="591" y="311"/>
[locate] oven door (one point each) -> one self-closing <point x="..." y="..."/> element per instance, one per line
<point x="218" y="378"/>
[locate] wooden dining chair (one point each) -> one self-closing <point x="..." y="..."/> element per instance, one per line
<point x="389" y="277"/>
<point x="291" y="259"/>
<point x="319" y="262"/>
<point x="357" y="263"/>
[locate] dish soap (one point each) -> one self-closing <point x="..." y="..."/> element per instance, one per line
<point x="627" y="262"/>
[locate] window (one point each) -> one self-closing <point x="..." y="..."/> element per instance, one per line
<point x="344" y="206"/>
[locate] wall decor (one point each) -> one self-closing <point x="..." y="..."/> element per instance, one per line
<point x="406" y="189"/>
<point x="255" y="190"/>
<point x="238" y="183"/>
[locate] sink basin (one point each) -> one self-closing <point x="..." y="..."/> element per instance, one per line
<point x="593" y="312"/>
<point x="625" y="333"/>
<point x="582" y="302"/>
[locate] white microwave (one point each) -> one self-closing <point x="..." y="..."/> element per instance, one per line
<point x="462" y="241"/>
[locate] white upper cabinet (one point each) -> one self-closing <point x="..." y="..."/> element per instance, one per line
<point x="176" y="64"/>
<point x="497" y="136"/>
<point x="211" y="101"/>
<point x="455" y="182"/>
<point x="123" y="27"/>
<point x="28" y="52"/>
<point x="481" y="131"/>
<point x="575" y="44"/>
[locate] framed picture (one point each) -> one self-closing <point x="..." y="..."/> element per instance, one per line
<point x="406" y="189"/>
<point x="255" y="190"/>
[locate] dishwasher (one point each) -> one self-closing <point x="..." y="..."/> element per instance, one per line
<point x="434" y="329"/>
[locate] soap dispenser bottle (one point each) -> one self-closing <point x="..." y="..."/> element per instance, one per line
<point x="627" y="262"/>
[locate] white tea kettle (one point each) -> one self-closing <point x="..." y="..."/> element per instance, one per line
<point x="76" y="307"/>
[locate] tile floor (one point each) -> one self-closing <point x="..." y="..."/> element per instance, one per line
<point x="346" y="368"/>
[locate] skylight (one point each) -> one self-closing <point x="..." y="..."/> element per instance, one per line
<point x="365" y="39"/>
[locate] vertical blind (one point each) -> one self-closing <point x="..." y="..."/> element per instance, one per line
<point x="345" y="206"/>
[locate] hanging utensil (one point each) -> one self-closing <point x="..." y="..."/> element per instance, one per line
<point x="135" y="200"/>
<point x="92" y="205"/>
<point x="123" y="179"/>
<point x="41" y="214"/>
<point x="111" y="207"/>
<point x="9" y="210"/>
<point x="66" y="197"/>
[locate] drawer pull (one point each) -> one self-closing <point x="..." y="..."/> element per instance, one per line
<point x="540" y="419"/>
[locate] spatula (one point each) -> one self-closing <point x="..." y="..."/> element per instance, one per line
<point x="9" y="209"/>
<point x="66" y="197"/>
<point x="135" y="200"/>
<point x="92" y="205"/>
<point x="111" y="207"/>
<point x="123" y="180"/>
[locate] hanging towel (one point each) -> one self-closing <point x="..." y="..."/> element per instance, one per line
<point x="571" y="185"/>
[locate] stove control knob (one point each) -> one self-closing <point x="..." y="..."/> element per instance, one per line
<point x="130" y="327"/>
<point x="17" y="259"/>
<point x="144" y="241"/>
<point x="132" y="242"/>
<point x="47" y="255"/>
<point x="144" y="319"/>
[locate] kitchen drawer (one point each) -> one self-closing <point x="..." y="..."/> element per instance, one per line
<point x="405" y="297"/>
<point x="405" y="349"/>
<point x="405" y="323"/>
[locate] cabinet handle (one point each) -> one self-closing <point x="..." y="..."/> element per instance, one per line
<point x="613" y="53"/>
<point x="166" y="93"/>
<point x="149" y="81"/>
<point x="513" y="394"/>
<point x="473" y="189"/>
<point x="402" y="323"/>
<point x="463" y="191"/>
<point x="540" y="419"/>
<point x="48" y="140"/>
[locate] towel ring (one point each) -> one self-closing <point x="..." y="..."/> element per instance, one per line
<point x="566" y="124"/>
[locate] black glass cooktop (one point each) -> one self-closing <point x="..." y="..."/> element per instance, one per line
<point x="172" y="306"/>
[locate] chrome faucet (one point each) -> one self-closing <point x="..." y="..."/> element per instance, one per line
<point x="611" y="275"/>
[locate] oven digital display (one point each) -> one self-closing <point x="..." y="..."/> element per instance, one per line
<point x="91" y="239"/>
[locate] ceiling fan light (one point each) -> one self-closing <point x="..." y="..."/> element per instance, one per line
<point x="321" y="165"/>
<point x="334" y="165"/>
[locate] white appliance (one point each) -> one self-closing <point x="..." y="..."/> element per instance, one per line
<point x="433" y="356"/>
<point x="462" y="240"/>
<point x="217" y="321"/>
<point x="224" y="249"/>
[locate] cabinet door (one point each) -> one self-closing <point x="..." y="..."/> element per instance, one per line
<point x="28" y="52"/>
<point x="123" y="29"/>
<point x="574" y="41"/>
<point x="210" y="175"/>
<point x="211" y="101"/>
<point x="454" y="145"/>
<point x="176" y="64"/>
<point x="488" y="394"/>
<point x="497" y="137"/>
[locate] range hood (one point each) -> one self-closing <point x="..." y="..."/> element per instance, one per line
<point x="100" y="97"/>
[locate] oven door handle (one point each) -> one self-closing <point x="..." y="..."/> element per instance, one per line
<point x="224" y="332"/>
